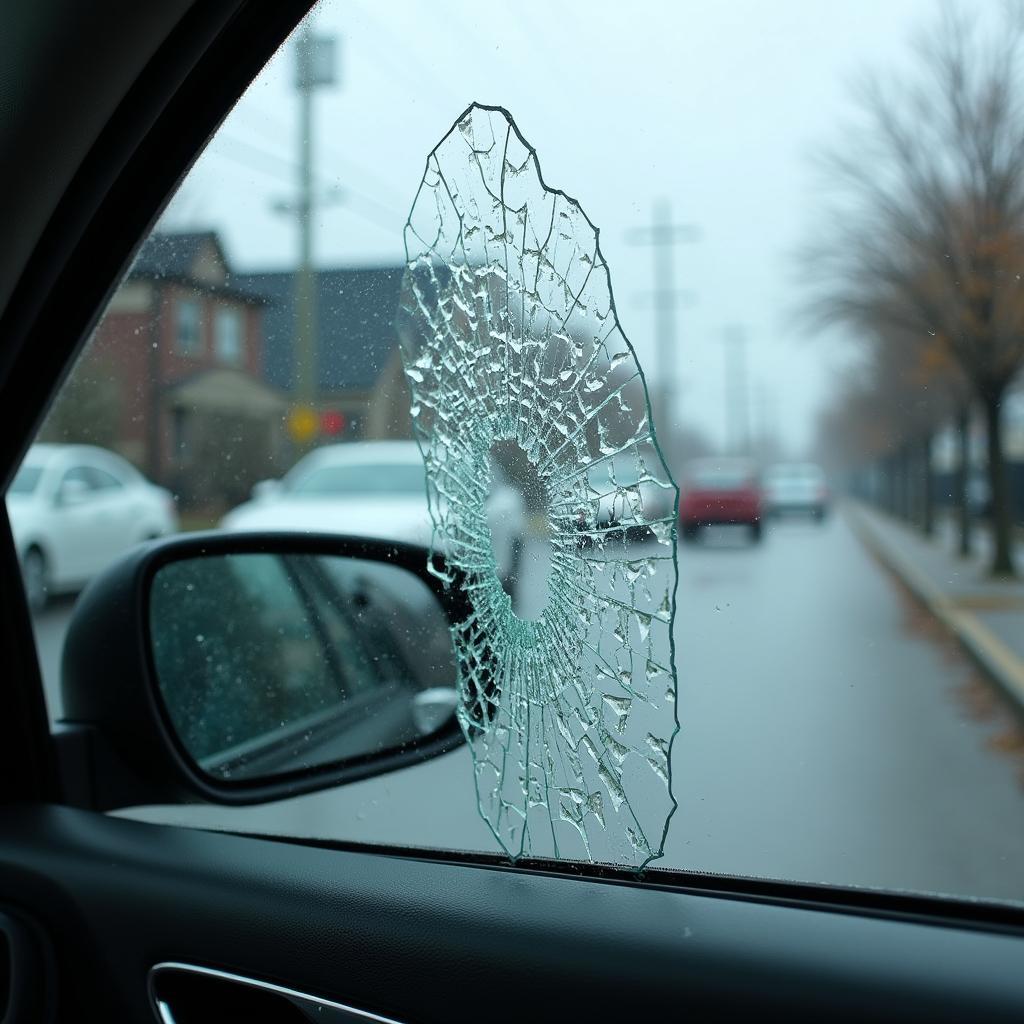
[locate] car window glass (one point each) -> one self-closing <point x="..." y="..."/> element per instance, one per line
<point x="719" y="476"/>
<point x="365" y="479"/>
<point x="25" y="480"/>
<point x="847" y="436"/>
<point x="81" y="476"/>
<point x="103" y="481"/>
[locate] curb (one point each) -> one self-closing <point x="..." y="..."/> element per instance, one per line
<point x="1004" y="668"/>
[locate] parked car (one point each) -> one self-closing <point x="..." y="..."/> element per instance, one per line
<point x="370" y="489"/>
<point x="74" y="509"/>
<point x="796" y="487"/>
<point x="717" y="492"/>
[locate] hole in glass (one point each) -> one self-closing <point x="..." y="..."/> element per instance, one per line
<point x="509" y="331"/>
<point x="519" y="520"/>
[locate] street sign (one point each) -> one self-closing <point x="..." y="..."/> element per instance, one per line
<point x="316" y="62"/>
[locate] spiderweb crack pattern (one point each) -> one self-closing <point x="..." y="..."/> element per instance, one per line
<point x="509" y="334"/>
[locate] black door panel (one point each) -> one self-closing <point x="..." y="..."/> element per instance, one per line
<point x="425" y="941"/>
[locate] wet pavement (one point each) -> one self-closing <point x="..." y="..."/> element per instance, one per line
<point x="831" y="732"/>
<point x="984" y="612"/>
<point x="828" y="733"/>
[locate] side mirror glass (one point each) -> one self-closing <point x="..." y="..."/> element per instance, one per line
<point x="273" y="663"/>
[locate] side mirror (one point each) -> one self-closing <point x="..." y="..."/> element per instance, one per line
<point x="241" y="668"/>
<point x="73" y="492"/>
<point x="266" y="489"/>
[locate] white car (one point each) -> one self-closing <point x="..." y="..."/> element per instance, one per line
<point x="74" y="509"/>
<point x="370" y="489"/>
<point x="796" y="487"/>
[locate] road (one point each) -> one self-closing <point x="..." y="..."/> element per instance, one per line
<point x="830" y="733"/>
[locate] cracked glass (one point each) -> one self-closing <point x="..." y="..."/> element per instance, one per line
<point x="515" y="358"/>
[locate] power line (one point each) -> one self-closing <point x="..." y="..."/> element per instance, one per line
<point x="292" y="168"/>
<point x="333" y="156"/>
<point x="737" y="409"/>
<point x="282" y="169"/>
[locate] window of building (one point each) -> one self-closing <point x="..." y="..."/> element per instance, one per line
<point x="227" y="336"/>
<point x="188" y="337"/>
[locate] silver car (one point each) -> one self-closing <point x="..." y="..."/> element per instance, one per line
<point x="797" y="487"/>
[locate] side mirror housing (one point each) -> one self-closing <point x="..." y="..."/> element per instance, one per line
<point x="240" y="668"/>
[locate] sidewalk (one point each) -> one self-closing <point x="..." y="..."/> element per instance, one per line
<point x="985" y="615"/>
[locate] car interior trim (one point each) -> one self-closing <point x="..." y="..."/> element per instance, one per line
<point x="179" y="976"/>
<point x="407" y="936"/>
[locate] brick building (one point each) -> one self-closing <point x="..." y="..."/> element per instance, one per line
<point x="174" y="372"/>
<point x="192" y="363"/>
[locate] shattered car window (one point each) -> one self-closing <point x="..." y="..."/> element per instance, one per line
<point x="514" y="354"/>
<point x="814" y="217"/>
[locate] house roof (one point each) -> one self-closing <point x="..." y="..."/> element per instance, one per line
<point x="183" y="256"/>
<point x="355" y="324"/>
<point x="355" y="307"/>
<point x="173" y="254"/>
<point x="226" y="390"/>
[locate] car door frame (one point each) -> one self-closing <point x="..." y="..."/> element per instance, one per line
<point x="110" y="175"/>
<point x="419" y="933"/>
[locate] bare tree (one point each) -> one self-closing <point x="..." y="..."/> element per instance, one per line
<point x="886" y="416"/>
<point x="925" y="236"/>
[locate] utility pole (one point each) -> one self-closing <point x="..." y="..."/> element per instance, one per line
<point x="736" y="404"/>
<point x="314" y="67"/>
<point x="760" y="417"/>
<point x="305" y="299"/>
<point x="662" y="236"/>
<point x="766" y="436"/>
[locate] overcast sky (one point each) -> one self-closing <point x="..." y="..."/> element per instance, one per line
<point x="714" y="105"/>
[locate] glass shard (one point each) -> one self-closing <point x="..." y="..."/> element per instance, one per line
<point x="510" y="341"/>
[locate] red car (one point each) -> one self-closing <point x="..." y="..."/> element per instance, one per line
<point x="718" y="492"/>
